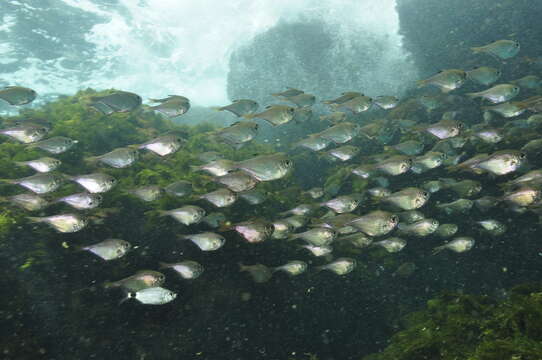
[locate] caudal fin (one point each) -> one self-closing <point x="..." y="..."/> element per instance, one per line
<point x="421" y="83"/>
<point x="438" y="249"/>
<point x="476" y="50"/>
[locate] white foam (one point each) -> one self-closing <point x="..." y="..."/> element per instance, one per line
<point x="158" y="47"/>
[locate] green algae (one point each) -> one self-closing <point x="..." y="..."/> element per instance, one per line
<point x="455" y="326"/>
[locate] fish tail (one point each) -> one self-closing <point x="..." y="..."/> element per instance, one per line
<point x="472" y="95"/>
<point x="217" y="108"/>
<point x="20" y="163"/>
<point x="249" y="116"/>
<point x="129" y="295"/>
<point x="195" y="168"/>
<point x="421" y="83"/>
<point x="91" y="159"/>
<point x="9" y="181"/>
<point x="164" y="265"/>
<point x="162" y="213"/>
<point x="438" y="249"/>
<point x="35" y="219"/>
<point x="476" y="50"/>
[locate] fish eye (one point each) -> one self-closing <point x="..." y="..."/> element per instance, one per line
<point x="522" y="155"/>
<point x="425" y="194"/>
<point x="394" y="218"/>
<point x="516" y="44"/>
<point x="516" y="88"/>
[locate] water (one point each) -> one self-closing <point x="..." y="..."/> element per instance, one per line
<point x="55" y="305"/>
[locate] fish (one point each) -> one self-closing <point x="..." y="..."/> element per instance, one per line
<point x="465" y="188"/>
<point x="152" y="296"/>
<point x="446" y="80"/>
<point x="395" y="165"/>
<point x="343" y="204"/>
<point x="253" y="197"/>
<point x="17" y="95"/>
<point x="315" y="193"/>
<point x="179" y="188"/>
<point x="345" y="152"/>
<point x="429" y="160"/>
<point x="334" y="117"/>
<point x="318" y="250"/>
<point x="109" y="249"/>
<point x="410" y="216"/>
<point x="119" y="158"/>
<point x="42" y="165"/>
<point x="420" y="228"/>
<point x="172" y="106"/>
<point x="63" y="223"/>
<point x="375" y="223"/>
<point x="386" y="102"/>
<point x="40" y="183"/>
<point x="356" y="105"/>
<point x="459" y="206"/>
<point x="358" y="240"/>
<point x="237" y="181"/>
<point x="258" y="272"/>
<point x="214" y="219"/>
<point x="493" y="227"/>
<point x="391" y="245"/>
<point x="501" y="162"/>
<point x="500" y="49"/>
<point x="302" y="100"/>
<point x="163" y="145"/>
<point x="55" y="145"/>
<point x="409" y="147"/>
<point x="25" y="133"/>
<point x="187" y="215"/>
<point x="410" y="198"/>
<point x="446" y="230"/>
<point x="341" y="133"/>
<point x="206" y="241"/>
<point x="220" y="198"/>
<point x="238" y="133"/>
<point x="445" y="129"/>
<point x="281" y="229"/>
<point x="345" y="96"/>
<point x="497" y="94"/>
<point x="255" y="231"/>
<point x="274" y="114"/>
<point x="507" y="109"/>
<point x="219" y="167"/>
<point x="147" y="193"/>
<point x="143" y="279"/>
<point x="528" y="82"/>
<point x="95" y="182"/>
<point x="288" y="92"/>
<point x="292" y="268"/>
<point x="484" y="75"/>
<point x="302" y="114"/>
<point x="27" y="201"/>
<point x="82" y="201"/>
<point x="319" y="236"/>
<point x="523" y="196"/>
<point x="489" y="135"/>
<point x="314" y="142"/>
<point x="301" y="209"/>
<point x="458" y="245"/>
<point x="187" y="269"/>
<point x="266" y="167"/>
<point x="117" y="101"/>
<point x="340" y="266"/>
<point x="240" y="107"/>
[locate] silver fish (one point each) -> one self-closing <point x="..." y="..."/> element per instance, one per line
<point x="96" y="182"/>
<point x="187" y="215"/>
<point x="109" y="249"/>
<point x="458" y="245"/>
<point x="64" y="223"/>
<point x="25" y="133"/>
<point x="293" y="268"/>
<point x="39" y="183"/>
<point x="188" y="269"/>
<point x="206" y="241"/>
<point x="82" y="201"/>
<point x="42" y="165"/>
<point x="220" y="198"/>
<point x="153" y="296"/>
<point x="55" y="145"/>
<point x="119" y="158"/>
<point x="266" y="167"/>
<point x="340" y="266"/>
